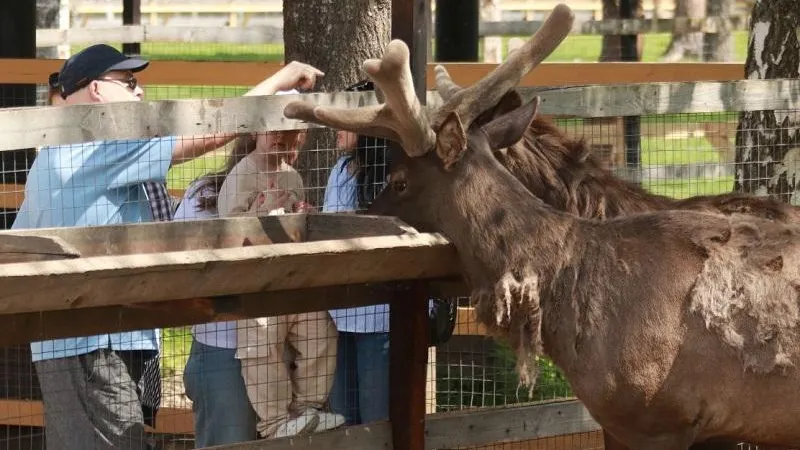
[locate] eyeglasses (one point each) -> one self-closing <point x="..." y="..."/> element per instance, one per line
<point x="131" y="82"/>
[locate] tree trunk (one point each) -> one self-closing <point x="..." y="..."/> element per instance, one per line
<point x="718" y="47"/>
<point x="47" y="17"/>
<point x="492" y="45"/>
<point x="335" y="36"/>
<point x="686" y="44"/>
<point x="768" y="142"/>
<point x="612" y="44"/>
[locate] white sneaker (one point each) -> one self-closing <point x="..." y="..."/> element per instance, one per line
<point x="304" y="424"/>
<point x="329" y="421"/>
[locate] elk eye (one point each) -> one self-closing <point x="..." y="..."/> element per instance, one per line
<point x="399" y="186"/>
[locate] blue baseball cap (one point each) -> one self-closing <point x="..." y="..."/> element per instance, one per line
<point x="89" y="64"/>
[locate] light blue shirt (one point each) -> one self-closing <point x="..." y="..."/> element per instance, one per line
<point x="90" y="184"/>
<point x="340" y="196"/>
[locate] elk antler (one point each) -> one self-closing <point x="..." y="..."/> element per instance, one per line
<point x="469" y="103"/>
<point x="444" y="84"/>
<point x="401" y="118"/>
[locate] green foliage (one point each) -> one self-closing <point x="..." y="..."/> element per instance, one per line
<point x="497" y="383"/>
<point x="175" y="346"/>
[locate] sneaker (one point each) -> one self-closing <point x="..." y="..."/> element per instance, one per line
<point x="329" y="421"/>
<point x="306" y="423"/>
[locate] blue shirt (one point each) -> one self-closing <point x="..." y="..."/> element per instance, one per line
<point x="90" y="184"/>
<point x="340" y="196"/>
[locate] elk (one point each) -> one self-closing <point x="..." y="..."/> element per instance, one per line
<point x="672" y="326"/>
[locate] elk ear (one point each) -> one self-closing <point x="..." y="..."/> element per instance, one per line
<point x="508" y="129"/>
<point x="509" y="102"/>
<point x="451" y="141"/>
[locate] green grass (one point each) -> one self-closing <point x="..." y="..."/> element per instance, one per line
<point x="175" y="346"/>
<point x="659" y="151"/>
<point x="690" y="187"/>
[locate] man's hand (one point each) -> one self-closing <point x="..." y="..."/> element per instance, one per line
<point x="295" y="75"/>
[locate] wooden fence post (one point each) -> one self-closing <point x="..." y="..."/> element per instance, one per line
<point x="408" y="360"/>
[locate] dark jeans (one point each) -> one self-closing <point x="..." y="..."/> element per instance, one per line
<point x="361" y="385"/>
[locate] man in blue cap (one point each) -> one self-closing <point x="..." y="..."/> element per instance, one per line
<point x="99" y="391"/>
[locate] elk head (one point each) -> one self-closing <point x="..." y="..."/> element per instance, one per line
<point x="471" y="123"/>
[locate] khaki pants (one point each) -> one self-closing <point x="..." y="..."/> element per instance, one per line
<point x="275" y="389"/>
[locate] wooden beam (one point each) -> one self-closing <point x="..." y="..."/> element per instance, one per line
<point x="464" y="429"/>
<point x="129" y="279"/>
<point x="241" y="73"/>
<point x="215" y="234"/>
<point x="24" y="328"/>
<point x="408" y="355"/>
<point x="23" y="127"/>
<point x="476" y="427"/>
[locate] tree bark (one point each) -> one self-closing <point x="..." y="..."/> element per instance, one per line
<point x="768" y="142"/>
<point x="686" y="44"/>
<point x="47" y="17"/>
<point x="612" y="44"/>
<point x="492" y="45"/>
<point x="718" y="47"/>
<point x="335" y="36"/>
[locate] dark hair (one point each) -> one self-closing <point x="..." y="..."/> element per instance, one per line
<point x="245" y="144"/>
<point x="367" y="159"/>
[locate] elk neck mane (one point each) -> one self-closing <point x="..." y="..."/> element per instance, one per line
<point x="564" y="173"/>
<point x="512" y="246"/>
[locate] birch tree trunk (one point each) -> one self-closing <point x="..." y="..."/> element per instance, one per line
<point x="335" y="36"/>
<point x="768" y="142"/>
<point x="47" y="17"/>
<point x="686" y="44"/>
<point x="718" y="47"/>
<point x="492" y="45"/>
<point x="612" y="44"/>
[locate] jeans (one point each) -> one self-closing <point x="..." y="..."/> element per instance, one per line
<point x="361" y="384"/>
<point x="222" y="411"/>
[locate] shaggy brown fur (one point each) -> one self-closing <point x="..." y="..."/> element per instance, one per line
<point x="565" y="174"/>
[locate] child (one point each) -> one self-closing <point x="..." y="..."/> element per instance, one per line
<point x="288" y="400"/>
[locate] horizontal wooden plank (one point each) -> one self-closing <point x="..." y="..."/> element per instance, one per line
<point x="30" y="413"/>
<point x="476" y="427"/>
<point x="670" y="98"/>
<point x="39" y="126"/>
<point x="23" y="328"/>
<point x="248" y="73"/>
<point x="218" y="233"/>
<point x="468" y="428"/>
<point x="131" y="279"/>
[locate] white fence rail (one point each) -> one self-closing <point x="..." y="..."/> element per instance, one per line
<point x="38" y="126"/>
